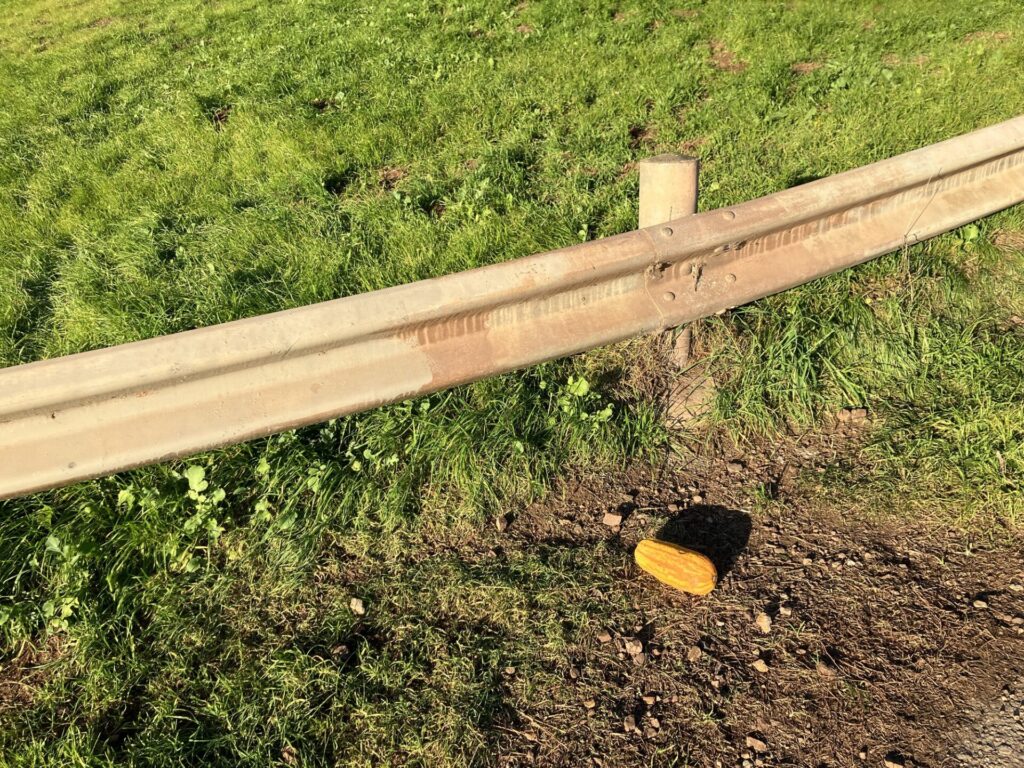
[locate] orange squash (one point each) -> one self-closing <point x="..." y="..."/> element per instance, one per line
<point x="676" y="566"/>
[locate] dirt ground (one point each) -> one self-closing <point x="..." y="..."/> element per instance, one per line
<point x="831" y="640"/>
<point x="834" y="638"/>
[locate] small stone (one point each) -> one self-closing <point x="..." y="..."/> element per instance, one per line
<point x="785" y="611"/>
<point x="894" y="760"/>
<point x="649" y="700"/>
<point x="356" y="606"/>
<point x="980" y="604"/>
<point x="747" y="764"/>
<point x="756" y="744"/>
<point x="764" y="622"/>
<point x="863" y="754"/>
<point x="852" y="414"/>
<point x="734" y="467"/>
<point x="339" y="651"/>
<point x="589" y="704"/>
<point x="510" y="671"/>
<point x="655" y="723"/>
<point x="693" y="654"/>
<point x="629" y="724"/>
<point x="604" y="636"/>
<point x="501" y="523"/>
<point x="673" y="508"/>
<point x="807" y="561"/>
<point x="760" y="666"/>
<point x="698" y="499"/>
<point x="634" y="646"/>
<point x="639" y="659"/>
<point x="612" y="519"/>
<point x="1016" y="588"/>
<point x="824" y="669"/>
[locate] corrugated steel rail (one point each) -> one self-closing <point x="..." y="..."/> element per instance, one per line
<point x="99" y="412"/>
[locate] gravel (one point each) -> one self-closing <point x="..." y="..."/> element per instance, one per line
<point x="997" y="741"/>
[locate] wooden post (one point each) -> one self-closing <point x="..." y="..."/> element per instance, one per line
<point x="668" y="190"/>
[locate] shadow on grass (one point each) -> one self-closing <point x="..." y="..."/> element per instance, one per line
<point x="718" y="532"/>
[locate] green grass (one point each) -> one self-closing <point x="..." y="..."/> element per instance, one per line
<point x="170" y="165"/>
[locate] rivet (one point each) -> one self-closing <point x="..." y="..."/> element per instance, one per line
<point x="669" y="296"/>
<point x="728" y="215"/>
<point x="666" y="231"/>
<point x="730" y="278"/>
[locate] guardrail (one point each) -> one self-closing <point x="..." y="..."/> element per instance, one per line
<point x="99" y="412"/>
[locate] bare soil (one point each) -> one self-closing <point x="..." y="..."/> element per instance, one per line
<point x="725" y="60"/>
<point x="830" y="641"/>
<point x="806" y="67"/>
<point x="23" y="675"/>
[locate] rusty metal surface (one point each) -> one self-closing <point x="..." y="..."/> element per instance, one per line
<point x="99" y="412"/>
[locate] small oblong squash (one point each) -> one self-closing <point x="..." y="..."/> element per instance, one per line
<point x="676" y="566"/>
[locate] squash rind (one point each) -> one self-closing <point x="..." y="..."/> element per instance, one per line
<point x="676" y="566"/>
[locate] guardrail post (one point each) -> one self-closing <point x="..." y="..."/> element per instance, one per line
<point x="668" y="190"/>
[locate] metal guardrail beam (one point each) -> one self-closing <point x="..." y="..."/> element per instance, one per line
<point x="99" y="412"/>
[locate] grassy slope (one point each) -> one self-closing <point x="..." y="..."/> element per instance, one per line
<point x="171" y="165"/>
